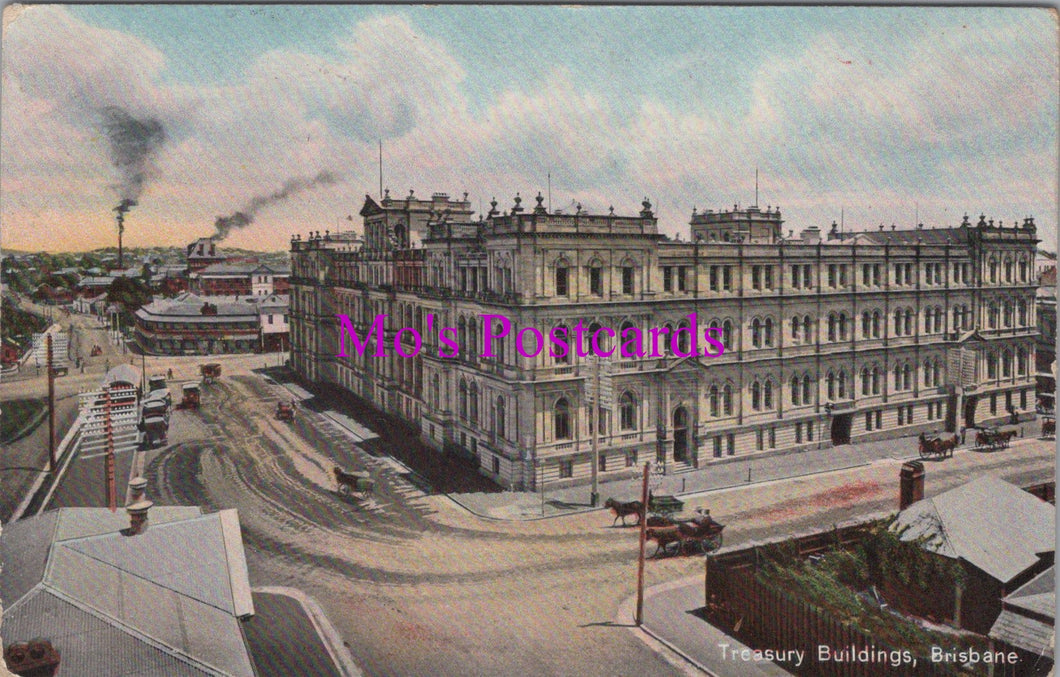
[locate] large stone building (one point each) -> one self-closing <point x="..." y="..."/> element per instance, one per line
<point x="828" y="339"/>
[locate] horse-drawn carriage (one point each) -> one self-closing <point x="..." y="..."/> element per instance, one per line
<point x="359" y="484"/>
<point x="210" y="372"/>
<point x="700" y="534"/>
<point x="994" y="438"/>
<point x="1049" y="427"/>
<point x="190" y="396"/>
<point x="937" y="446"/>
<point x="284" y="412"/>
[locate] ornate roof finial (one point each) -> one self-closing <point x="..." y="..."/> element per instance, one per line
<point x="518" y="204"/>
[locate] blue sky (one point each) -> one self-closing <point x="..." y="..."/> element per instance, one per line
<point x="883" y="114"/>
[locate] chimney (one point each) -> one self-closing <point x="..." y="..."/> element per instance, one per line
<point x="911" y="484"/>
<point x="137" y="488"/>
<point x="35" y="658"/>
<point x="138" y="516"/>
<point x="811" y="235"/>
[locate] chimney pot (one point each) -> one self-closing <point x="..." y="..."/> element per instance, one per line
<point x="137" y="487"/>
<point x="138" y="516"/>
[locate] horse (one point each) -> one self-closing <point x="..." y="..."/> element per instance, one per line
<point x="621" y="509"/>
<point x="946" y="446"/>
<point x="663" y="537"/>
<point x="1049" y="428"/>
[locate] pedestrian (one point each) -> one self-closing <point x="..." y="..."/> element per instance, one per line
<point x="962" y="435"/>
<point x="169" y="373"/>
<point x="1013" y="415"/>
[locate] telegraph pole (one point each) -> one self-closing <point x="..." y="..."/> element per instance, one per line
<point x="594" y="416"/>
<point x="639" y="617"/>
<point x="51" y="407"/>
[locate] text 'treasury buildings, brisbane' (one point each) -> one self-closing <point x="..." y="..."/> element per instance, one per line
<point x="828" y="340"/>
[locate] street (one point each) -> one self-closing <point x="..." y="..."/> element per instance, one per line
<point x="416" y="584"/>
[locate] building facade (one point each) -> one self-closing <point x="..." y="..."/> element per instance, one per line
<point x="828" y="339"/>
<point x="205" y="325"/>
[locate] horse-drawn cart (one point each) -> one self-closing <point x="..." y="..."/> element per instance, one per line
<point x="1049" y="427"/>
<point x="994" y="438"/>
<point x="937" y="446"/>
<point x="359" y="484"/>
<point x="701" y="534"/>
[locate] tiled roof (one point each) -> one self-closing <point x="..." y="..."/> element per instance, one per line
<point x="988" y="522"/>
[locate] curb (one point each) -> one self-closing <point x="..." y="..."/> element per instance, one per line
<point x="64" y="455"/>
<point x="327" y="633"/>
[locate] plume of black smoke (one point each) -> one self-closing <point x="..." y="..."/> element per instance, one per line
<point x="133" y="143"/>
<point x="245" y="216"/>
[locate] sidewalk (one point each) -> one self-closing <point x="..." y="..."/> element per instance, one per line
<point x="734" y="471"/>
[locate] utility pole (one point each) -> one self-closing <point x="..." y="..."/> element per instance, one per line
<point x="594" y="416"/>
<point x="639" y="617"/>
<point x="51" y="408"/>
<point x="108" y="431"/>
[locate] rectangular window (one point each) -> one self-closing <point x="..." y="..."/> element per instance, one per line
<point x="832" y="278"/>
<point x="993" y="404"/>
<point x="901" y="415"/>
<point x="631" y="458"/>
<point x="772" y="438"/>
<point x="866" y="274"/>
<point x="682" y="282"/>
<point x="1023" y="399"/>
<point x="759" y="439"/>
<point x="868" y="420"/>
<point x="807" y="275"/>
<point x="627" y="280"/>
<point x="566" y="469"/>
<point x="756" y="277"/>
<point x="731" y="442"/>
<point x="714" y="285"/>
<point x="496" y="466"/>
<point x="668" y="278"/>
<point x="798" y="433"/>
<point x="796" y="277"/>
<point x="603" y="462"/>
<point x="842" y="275"/>
<point x="717" y="447"/>
<point x="767" y="277"/>
<point x="726" y="278"/>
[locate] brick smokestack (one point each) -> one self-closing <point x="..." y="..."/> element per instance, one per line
<point x="911" y="484"/>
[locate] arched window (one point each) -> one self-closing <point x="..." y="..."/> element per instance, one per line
<point x="907" y="376"/>
<point x="1006" y="363"/>
<point x="897" y="377"/>
<point x="807" y="389"/>
<point x="796" y="390"/>
<point x="683" y="344"/>
<point x="928" y="373"/>
<point x="726" y="399"/>
<point x="866" y="324"/>
<point x="564" y="335"/>
<point x="464" y="347"/>
<point x="627" y="406"/>
<point x="463" y="399"/>
<point x="991" y="365"/>
<point x="908" y="321"/>
<point x="627" y="279"/>
<point x="898" y="315"/>
<point x="561" y="419"/>
<point x="500" y="417"/>
<point x="807" y="328"/>
<point x="473" y="402"/>
<point x="474" y="349"/>
<point x="876" y="323"/>
<point x="875" y="380"/>
<point x="727" y="334"/>
<point x="756" y="333"/>
<point x="841" y="385"/>
<point x="1023" y="312"/>
<point x="562" y="278"/>
<point x="866" y="381"/>
<point x="767" y="394"/>
<point x="796" y="329"/>
<point x="769" y="332"/>
<point x="715" y="407"/>
<point x="831" y="327"/>
<point x="756" y="395"/>
<point x="436" y="392"/>
<point x="498" y="350"/>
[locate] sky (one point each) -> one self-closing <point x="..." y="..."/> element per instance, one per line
<point x="865" y="115"/>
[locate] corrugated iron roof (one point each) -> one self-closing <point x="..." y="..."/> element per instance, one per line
<point x="181" y="586"/>
<point x="1026" y="633"/>
<point x="990" y="523"/>
<point x="1038" y="595"/>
